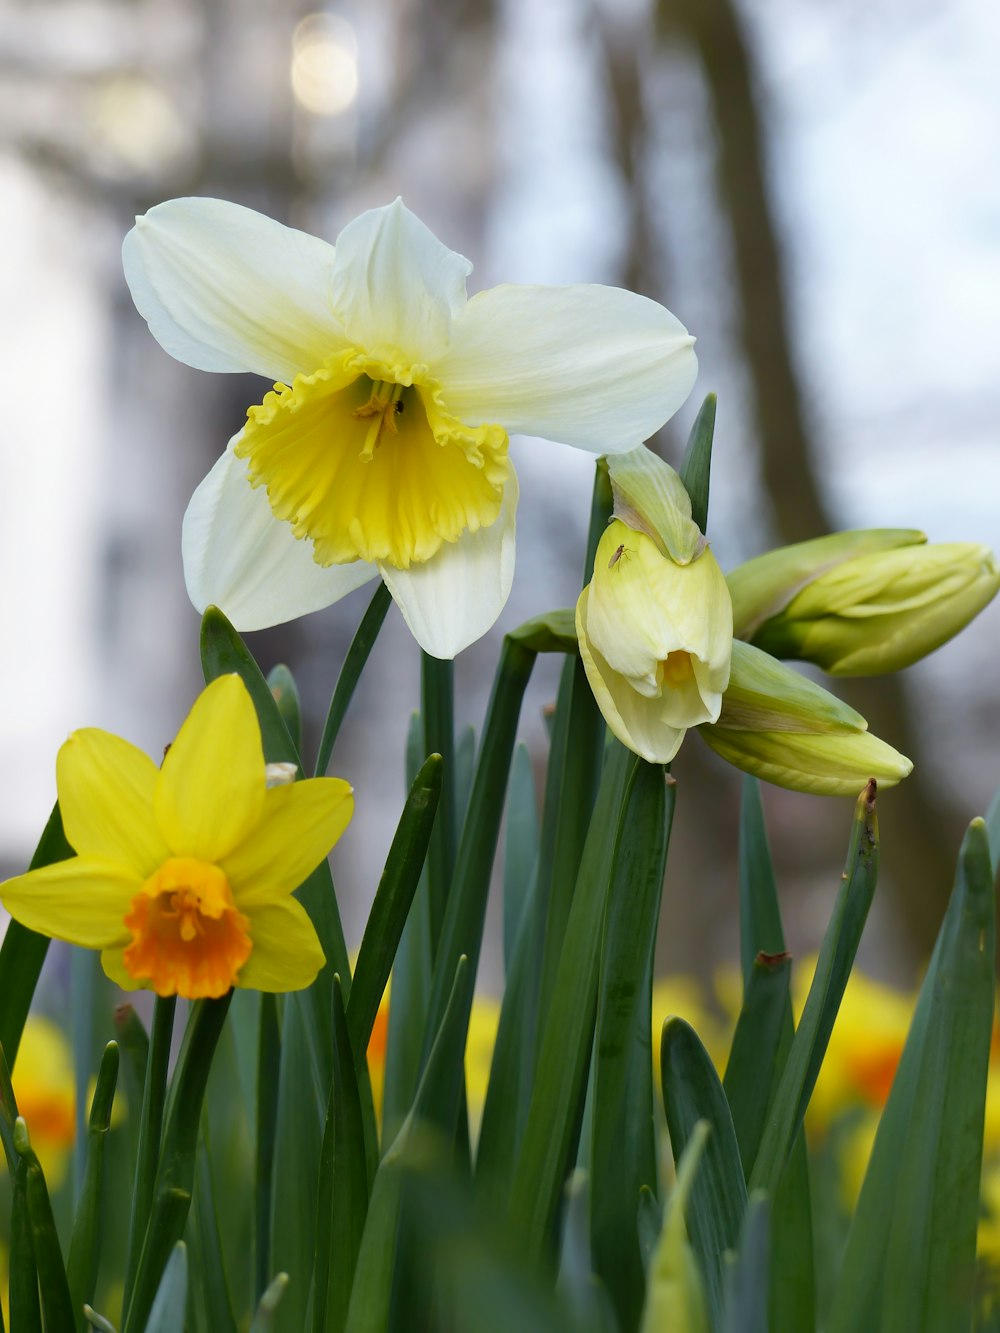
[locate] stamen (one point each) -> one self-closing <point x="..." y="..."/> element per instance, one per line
<point x="381" y="407"/>
<point x="676" y="670"/>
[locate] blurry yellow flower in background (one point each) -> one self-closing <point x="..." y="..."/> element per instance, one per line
<point x="184" y="875"/>
<point x="383" y="449"/>
<point x="45" y="1094"/>
<point x="865" y="1045"/>
<point x="480" y="1040"/>
<point x="681" y="996"/>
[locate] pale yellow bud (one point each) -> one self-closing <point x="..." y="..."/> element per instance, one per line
<point x="788" y="730"/>
<point x="655" y="638"/>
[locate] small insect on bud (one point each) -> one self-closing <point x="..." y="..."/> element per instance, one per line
<point x="617" y="556"/>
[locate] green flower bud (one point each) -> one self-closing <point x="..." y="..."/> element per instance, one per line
<point x="786" y="729"/>
<point x="655" y="638"/>
<point x="881" y="612"/>
<point x="764" y="586"/>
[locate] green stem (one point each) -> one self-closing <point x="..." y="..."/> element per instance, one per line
<point x="175" y="1177"/>
<point x="354" y="662"/>
<point x="88" y="1224"/>
<point x="150" y="1130"/>
<point x="572" y="786"/>
<point x="465" y="911"/>
<point x="438" y="715"/>
<point x="268" y="1066"/>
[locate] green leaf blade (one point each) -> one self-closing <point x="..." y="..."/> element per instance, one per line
<point x="692" y="1094"/>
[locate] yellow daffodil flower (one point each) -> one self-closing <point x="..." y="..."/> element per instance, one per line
<point x="383" y="449"/>
<point x="184" y="875"/>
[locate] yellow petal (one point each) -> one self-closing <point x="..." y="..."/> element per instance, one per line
<point x="210" y="792"/>
<point x="286" y="950"/>
<point x="82" y="900"/>
<point x="116" y="971"/>
<point x="106" y="790"/>
<point x="299" y="825"/>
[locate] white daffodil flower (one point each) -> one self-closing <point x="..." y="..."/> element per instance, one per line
<point x="383" y="448"/>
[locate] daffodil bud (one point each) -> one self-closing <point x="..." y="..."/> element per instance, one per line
<point x="862" y="603"/>
<point x="655" y="638"/>
<point x="785" y="729"/>
<point x="883" y="612"/>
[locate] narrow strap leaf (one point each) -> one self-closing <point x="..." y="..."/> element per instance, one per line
<point x="25" y="1307"/>
<point x="692" y="1094"/>
<point x="343" y="1185"/>
<point x="268" y="1085"/>
<point x="438" y="712"/>
<point x="175" y="1175"/>
<point x="411" y="983"/>
<point x="911" y="1249"/>
<point x="23" y="951"/>
<point x="675" y="1297"/>
<point x="285" y="694"/>
<point x="747" y="1279"/>
<point x="53" y="1287"/>
<point x="792" y="1284"/>
<point x="213" y="1296"/>
<point x="170" y="1306"/>
<point x="696" y="469"/>
<point x="836" y="959"/>
<point x="465" y="912"/>
<point x="133" y="1046"/>
<point x="150" y="1132"/>
<point x="760" y="916"/>
<point x="755" y="1058"/>
<point x="85" y="1243"/>
<point x="392" y="903"/>
<point x="623" y="1157"/>
<point x="435" y="1104"/>
<point x="548" y="1148"/>
<point x="350" y="673"/>
<point x="520" y="856"/>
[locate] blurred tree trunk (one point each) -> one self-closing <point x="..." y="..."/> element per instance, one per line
<point x="919" y="853"/>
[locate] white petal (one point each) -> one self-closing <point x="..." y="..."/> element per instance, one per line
<point x="396" y="287"/>
<point x="596" y="367"/>
<point x="240" y="558"/>
<point x="224" y="288"/>
<point x="454" y="598"/>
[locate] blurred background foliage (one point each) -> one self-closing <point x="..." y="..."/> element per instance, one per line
<point x="802" y="184"/>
